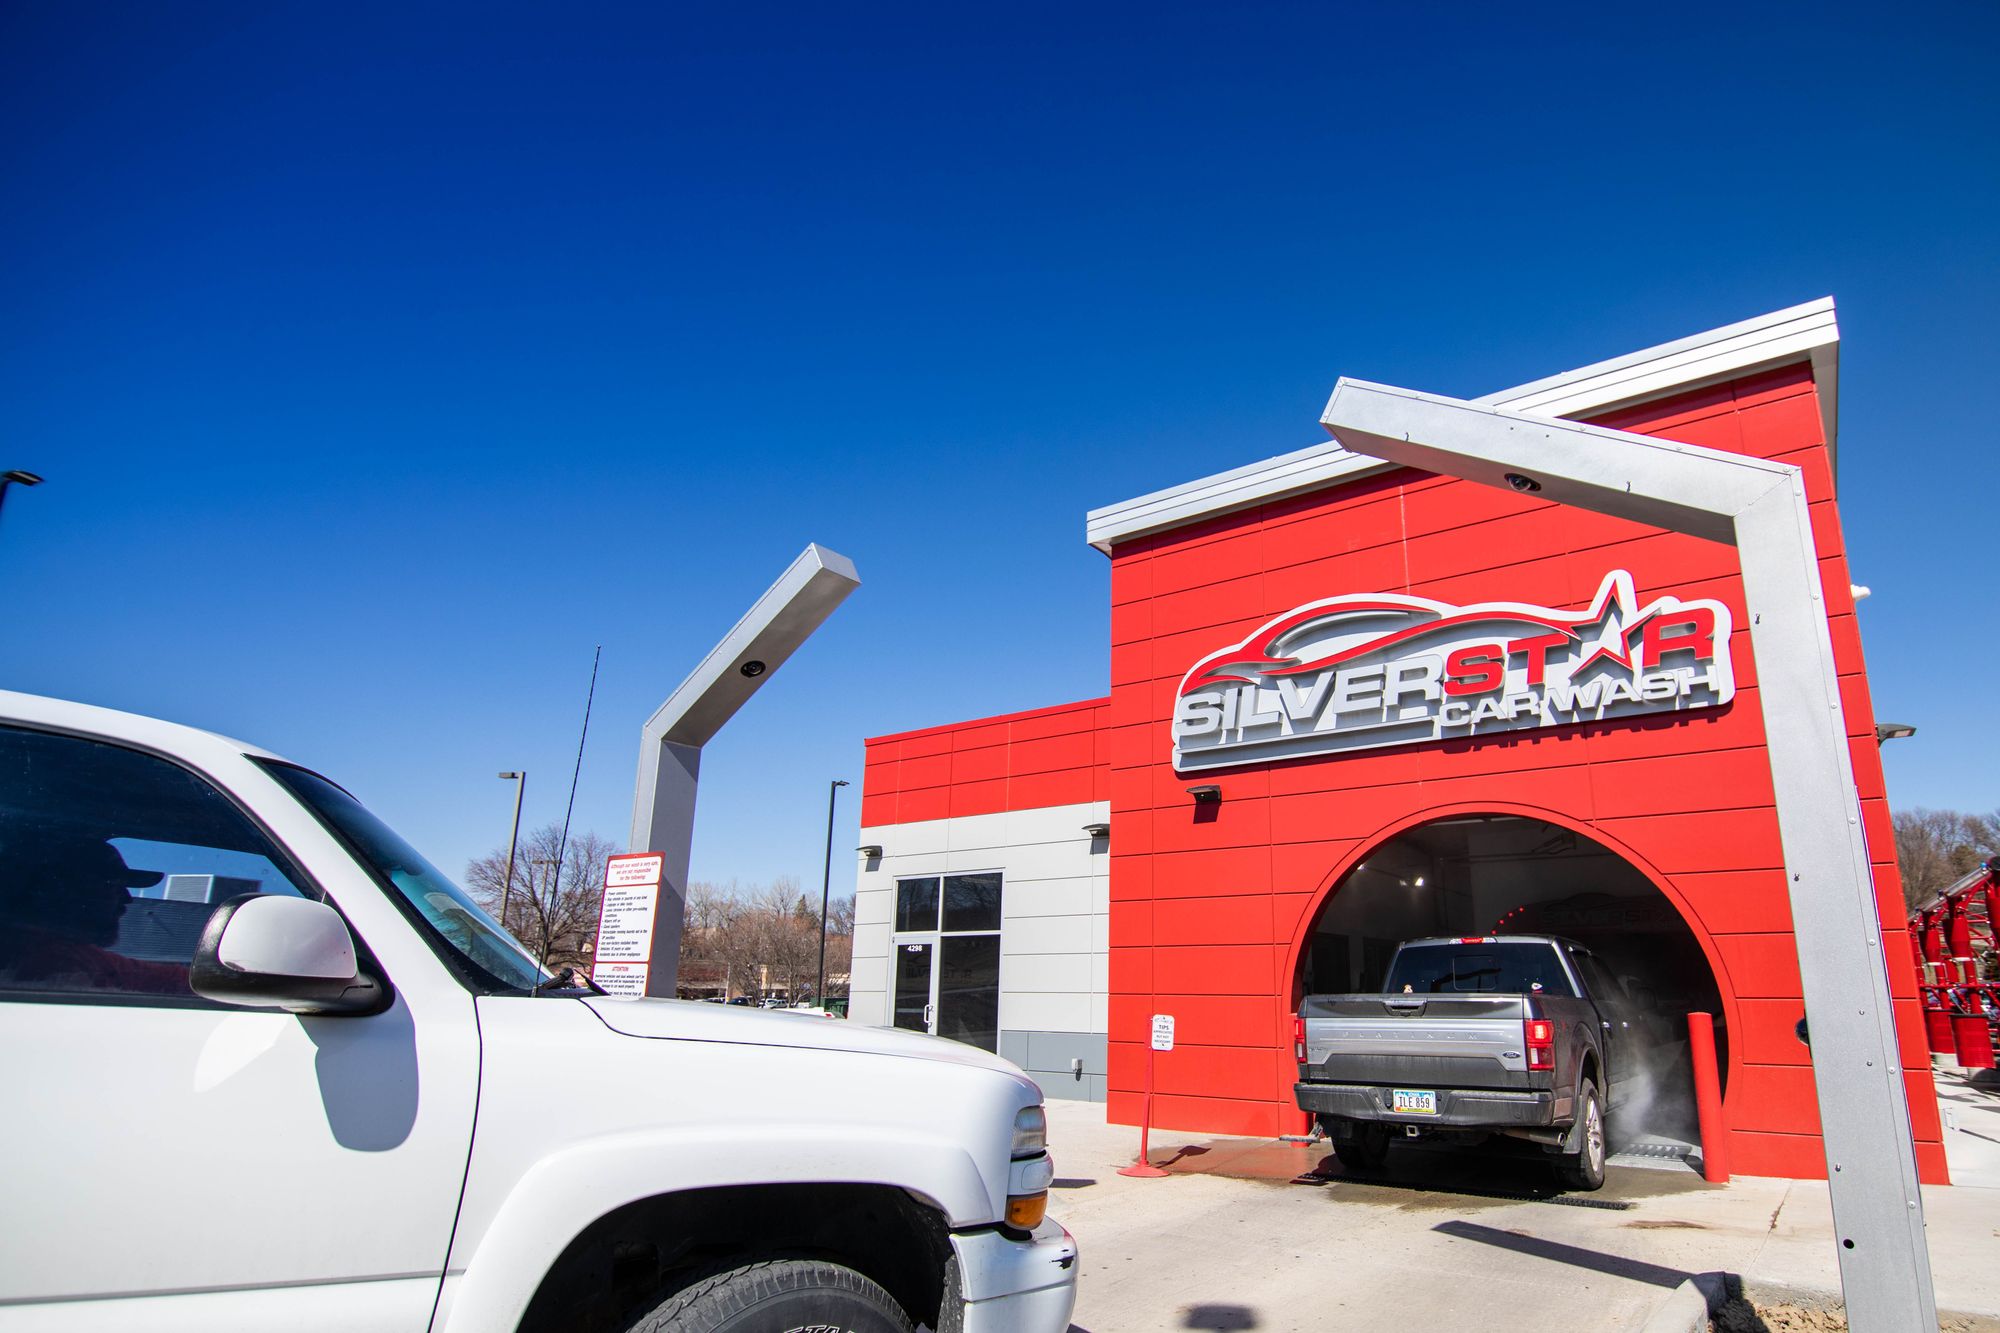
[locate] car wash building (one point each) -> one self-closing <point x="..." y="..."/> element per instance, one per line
<point x="1352" y="704"/>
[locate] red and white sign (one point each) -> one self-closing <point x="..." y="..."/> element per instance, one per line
<point x="620" y="978"/>
<point x="625" y="922"/>
<point x="1375" y="669"/>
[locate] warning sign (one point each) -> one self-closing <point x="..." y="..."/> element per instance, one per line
<point x="625" y="924"/>
<point x="620" y="978"/>
<point x="632" y="869"/>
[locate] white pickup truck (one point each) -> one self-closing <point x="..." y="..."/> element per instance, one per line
<point x="268" y="1069"/>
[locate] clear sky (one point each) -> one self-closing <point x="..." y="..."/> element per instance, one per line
<point x="385" y="359"/>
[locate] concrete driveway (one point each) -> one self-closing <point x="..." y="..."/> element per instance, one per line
<point x="1234" y="1238"/>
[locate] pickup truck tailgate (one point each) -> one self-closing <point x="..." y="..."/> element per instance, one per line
<point x="1418" y="1040"/>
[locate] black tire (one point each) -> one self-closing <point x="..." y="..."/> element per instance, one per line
<point x="775" y="1296"/>
<point x="1584" y="1169"/>
<point x="1366" y="1151"/>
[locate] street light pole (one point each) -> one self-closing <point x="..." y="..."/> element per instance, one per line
<point x="826" y="888"/>
<point x="520" y="781"/>
<point x="17" y="476"/>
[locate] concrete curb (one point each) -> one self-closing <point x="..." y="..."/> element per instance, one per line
<point x="1688" y="1306"/>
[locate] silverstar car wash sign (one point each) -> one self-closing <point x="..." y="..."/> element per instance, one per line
<point x="1376" y="669"/>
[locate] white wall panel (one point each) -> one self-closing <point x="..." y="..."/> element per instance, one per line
<point x="1045" y="934"/>
<point x="1042" y="972"/>
<point x="1052" y="1012"/>
<point x="1049" y="898"/>
<point x="1054" y="910"/>
<point x="875" y="905"/>
<point x="871" y="940"/>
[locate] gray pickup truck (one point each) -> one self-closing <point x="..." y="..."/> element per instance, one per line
<point x="1519" y="1035"/>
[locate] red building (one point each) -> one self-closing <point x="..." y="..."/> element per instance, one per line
<point x="1284" y="633"/>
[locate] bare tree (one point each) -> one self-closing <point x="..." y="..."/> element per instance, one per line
<point x="1934" y="848"/>
<point x="708" y="958"/>
<point x="760" y="940"/>
<point x="551" y="909"/>
<point x="839" y="945"/>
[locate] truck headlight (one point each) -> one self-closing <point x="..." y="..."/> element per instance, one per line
<point x="1030" y="1171"/>
<point x="1031" y="1132"/>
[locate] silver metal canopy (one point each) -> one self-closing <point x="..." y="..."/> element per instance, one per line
<point x="670" y="744"/>
<point x="1760" y="507"/>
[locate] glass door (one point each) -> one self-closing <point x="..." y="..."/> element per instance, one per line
<point x="914" y="1006"/>
<point x="968" y="990"/>
<point x="947" y="948"/>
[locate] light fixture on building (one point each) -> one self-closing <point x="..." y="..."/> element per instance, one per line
<point x="871" y="850"/>
<point x="1098" y="830"/>
<point x="1893" y="731"/>
<point x="1206" y="795"/>
<point x="1524" y="484"/>
<point x="752" y="669"/>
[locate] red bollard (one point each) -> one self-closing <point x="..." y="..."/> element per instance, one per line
<point x="1973" y="1040"/>
<point x="1708" y="1099"/>
<point x="1143" y="1167"/>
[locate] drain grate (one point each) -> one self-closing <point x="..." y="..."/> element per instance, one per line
<point x="1658" y="1148"/>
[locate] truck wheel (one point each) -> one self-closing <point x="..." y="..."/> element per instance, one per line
<point x="1366" y="1151"/>
<point x="774" y="1296"/>
<point x="1584" y="1169"/>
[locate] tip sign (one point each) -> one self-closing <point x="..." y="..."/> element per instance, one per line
<point x="1163" y="1032"/>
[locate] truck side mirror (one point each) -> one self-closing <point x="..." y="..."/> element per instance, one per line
<point x="262" y="951"/>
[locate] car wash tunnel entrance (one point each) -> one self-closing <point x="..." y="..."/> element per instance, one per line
<point x="1510" y="875"/>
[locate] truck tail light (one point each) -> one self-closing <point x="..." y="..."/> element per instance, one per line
<point x="1299" y="1038"/>
<point x="1539" y="1035"/>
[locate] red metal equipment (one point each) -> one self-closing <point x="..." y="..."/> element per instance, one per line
<point x="1954" y="936"/>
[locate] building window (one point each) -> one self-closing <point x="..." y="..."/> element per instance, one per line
<point x="947" y="950"/>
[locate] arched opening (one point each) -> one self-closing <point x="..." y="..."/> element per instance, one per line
<point x="1501" y="874"/>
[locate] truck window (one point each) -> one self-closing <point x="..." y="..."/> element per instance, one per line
<point x="1513" y="968"/>
<point x="1602" y="985"/>
<point x="484" y="952"/>
<point x="111" y="862"/>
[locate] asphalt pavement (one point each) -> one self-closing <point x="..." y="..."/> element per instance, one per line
<point x="1262" y="1234"/>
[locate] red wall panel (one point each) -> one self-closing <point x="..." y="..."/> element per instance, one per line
<point x="1020" y="761"/>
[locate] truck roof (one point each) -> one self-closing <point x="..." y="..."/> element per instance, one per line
<point x="1490" y="939"/>
<point x="170" y="737"/>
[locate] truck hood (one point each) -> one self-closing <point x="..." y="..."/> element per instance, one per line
<point x="695" y="1020"/>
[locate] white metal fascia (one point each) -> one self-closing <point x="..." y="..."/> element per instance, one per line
<point x="1806" y="333"/>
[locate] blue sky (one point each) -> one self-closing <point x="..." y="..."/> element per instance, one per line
<point x="384" y="360"/>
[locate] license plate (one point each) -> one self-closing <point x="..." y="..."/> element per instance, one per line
<point x="1405" y="1102"/>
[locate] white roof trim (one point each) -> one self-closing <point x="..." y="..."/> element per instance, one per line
<point x="1806" y="332"/>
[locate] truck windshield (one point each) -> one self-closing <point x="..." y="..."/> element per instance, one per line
<point x="1517" y="968"/>
<point x="487" y="952"/>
